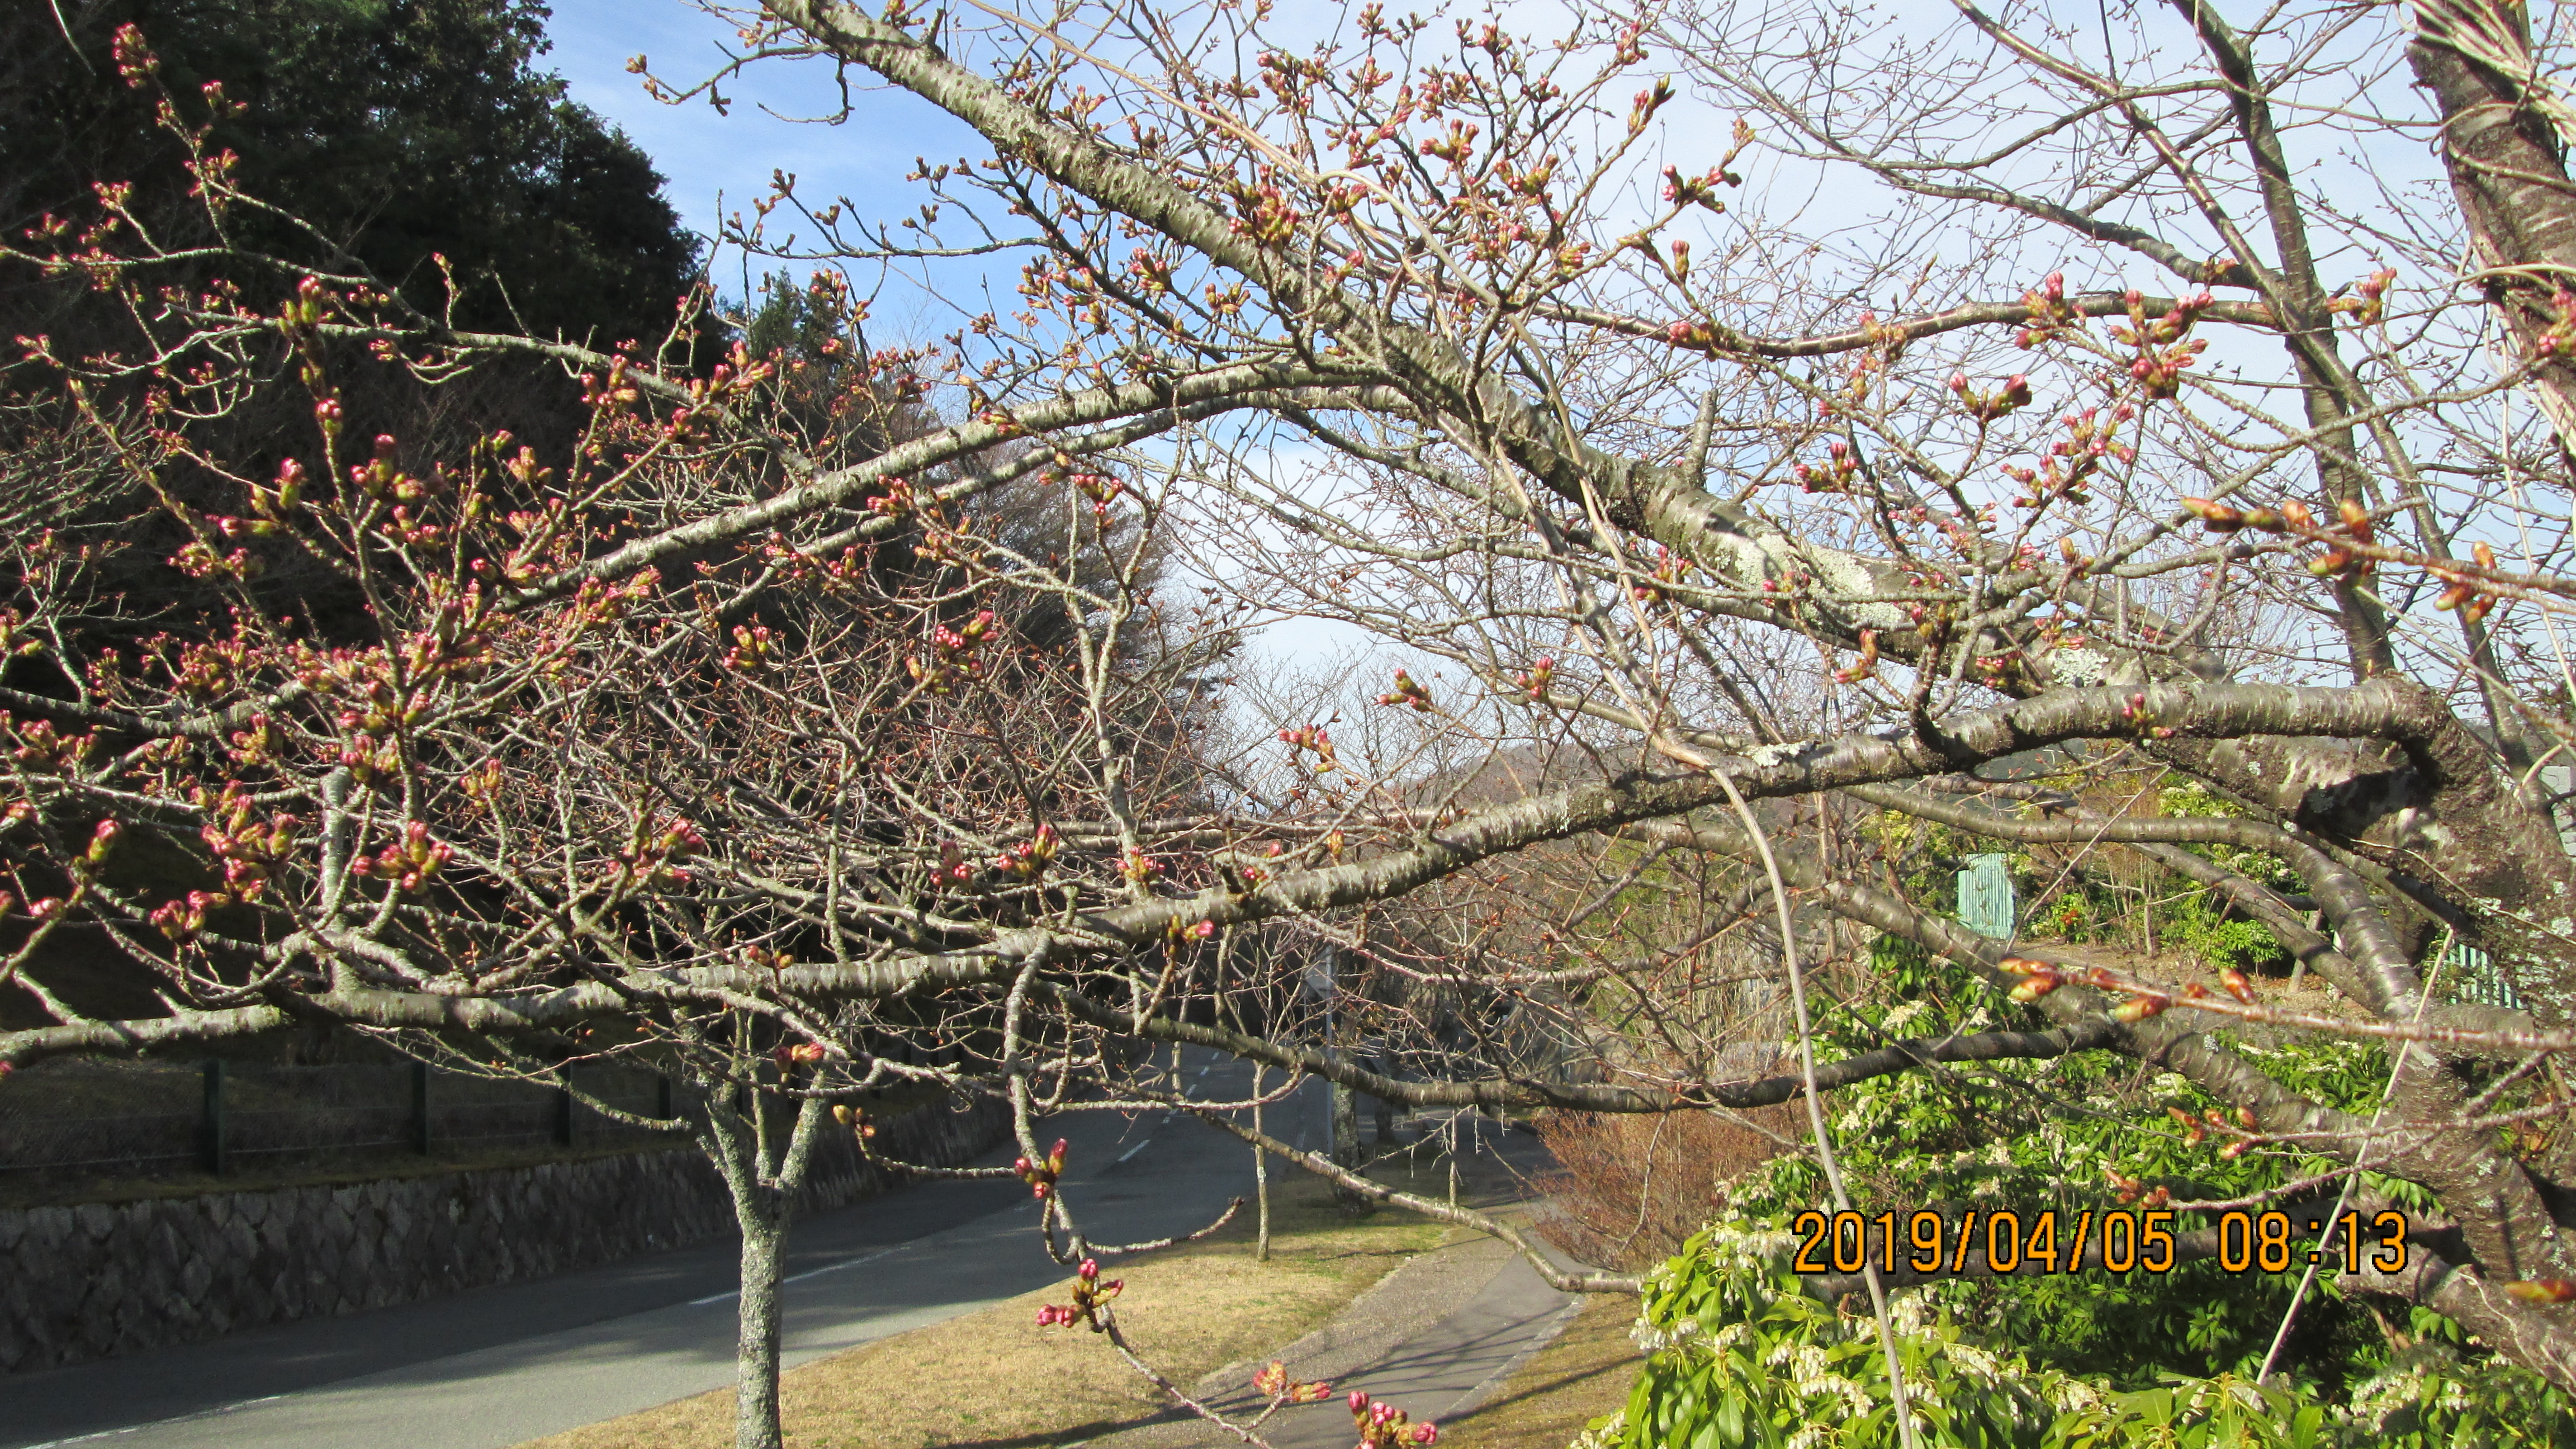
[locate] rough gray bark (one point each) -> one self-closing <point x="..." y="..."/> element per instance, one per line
<point x="764" y="1168"/>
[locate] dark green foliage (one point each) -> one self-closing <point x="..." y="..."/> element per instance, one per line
<point x="400" y="129"/>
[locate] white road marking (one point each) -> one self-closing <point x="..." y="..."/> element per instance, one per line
<point x="731" y="1294"/>
<point x="215" y="1413"/>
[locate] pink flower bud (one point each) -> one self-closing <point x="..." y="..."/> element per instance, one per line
<point x="1359" y="1401"/>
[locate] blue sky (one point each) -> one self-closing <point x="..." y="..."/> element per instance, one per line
<point x="717" y="164"/>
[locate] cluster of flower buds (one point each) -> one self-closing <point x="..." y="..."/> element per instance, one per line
<point x="2038" y="978"/>
<point x="43" y="749"/>
<point x="184" y="919"/>
<point x="2220" y="518"/>
<point x="1997" y="671"/>
<point x="2136" y="1190"/>
<point x="752" y="646"/>
<point x="658" y="855"/>
<point x="2558" y="340"/>
<point x="736" y="376"/>
<point x="2144" y="1002"/>
<point x="1384" y="1426"/>
<point x="856" y="1119"/>
<point x="1139" y="867"/>
<point x="897" y="500"/>
<point x="1865" y="367"/>
<point x="1040" y="1173"/>
<point x="1407" y="693"/>
<point x="609" y="394"/>
<point x="954" y="873"/>
<point x="2339" y="560"/>
<point x="250" y="850"/>
<point x="2173" y="326"/>
<point x="1842" y="465"/>
<point x="382" y="476"/>
<point x="2463" y="593"/>
<point x="1312" y="737"/>
<point x="2050" y="316"/>
<point x="2142" y="717"/>
<point x="11" y="643"/>
<point x="135" y="61"/>
<point x="1028" y="859"/>
<point x="1649" y="101"/>
<point x="1101" y="489"/>
<point x="1263" y="213"/>
<point x="303" y="312"/>
<point x="408" y="863"/>
<point x="2370" y="297"/>
<point x="453" y="645"/>
<point x="1534" y="680"/>
<point x="1699" y="190"/>
<point x="1866" y="665"/>
<point x="1091" y="1293"/>
<point x="1987" y="407"/>
<point x="2196" y="1130"/>
<point x="1456" y="146"/>
<point x="955" y="653"/>
<point x="198" y="560"/>
<point x="799" y="1053"/>
<point x="1697" y="336"/>
<point x="1658" y="585"/>
<point x="2163" y="352"/>
<point x="282" y="497"/>
<point x="1180" y="933"/>
<point x="2074" y="459"/>
<point x="1273" y="1383"/>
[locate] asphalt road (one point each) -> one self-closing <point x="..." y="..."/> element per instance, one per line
<point x="498" y="1366"/>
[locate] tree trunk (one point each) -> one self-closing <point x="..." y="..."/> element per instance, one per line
<point x="2508" y="172"/>
<point x="763" y="1175"/>
<point x="1342" y="1035"/>
<point x="1260" y="1176"/>
<point x="764" y="1251"/>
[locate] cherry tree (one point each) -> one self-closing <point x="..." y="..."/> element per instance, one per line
<point x="1785" y="436"/>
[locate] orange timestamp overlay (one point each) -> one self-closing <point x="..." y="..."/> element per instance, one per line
<point x="2119" y="1240"/>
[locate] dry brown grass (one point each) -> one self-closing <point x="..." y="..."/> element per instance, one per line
<point x="1632" y="1187"/>
<point x="994" y="1380"/>
<point x="1585" y="1374"/>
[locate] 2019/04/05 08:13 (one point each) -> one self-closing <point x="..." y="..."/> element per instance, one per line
<point x="2119" y="1240"/>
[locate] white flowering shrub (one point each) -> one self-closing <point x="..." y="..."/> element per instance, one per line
<point x="1739" y="1352"/>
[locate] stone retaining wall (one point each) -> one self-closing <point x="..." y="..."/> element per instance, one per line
<point x="101" y="1279"/>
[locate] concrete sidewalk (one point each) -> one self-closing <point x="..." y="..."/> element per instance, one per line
<point x="1436" y="1338"/>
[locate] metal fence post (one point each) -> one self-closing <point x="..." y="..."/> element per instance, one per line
<point x="563" y="1112"/>
<point x="214" y="1118"/>
<point x="420" y="1107"/>
<point x="662" y="1095"/>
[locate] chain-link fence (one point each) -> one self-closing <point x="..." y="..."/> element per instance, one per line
<point x="85" y="1119"/>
